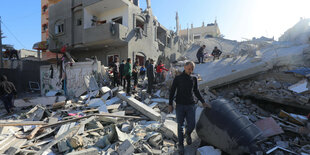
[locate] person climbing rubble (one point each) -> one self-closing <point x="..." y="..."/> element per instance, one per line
<point x="127" y="75"/>
<point x="200" y="54"/>
<point x="216" y="53"/>
<point x="159" y="72"/>
<point x="185" y="85"/>
<point x="7" y="92"/>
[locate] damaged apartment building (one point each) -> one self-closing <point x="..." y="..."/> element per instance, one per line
<point x="108" y="29"/>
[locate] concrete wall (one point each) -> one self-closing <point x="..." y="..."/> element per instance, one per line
<point x="25" y="72"/>
<point x="75" y="77"/>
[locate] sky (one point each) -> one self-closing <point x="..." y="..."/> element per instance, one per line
<point x="237" y="19"/>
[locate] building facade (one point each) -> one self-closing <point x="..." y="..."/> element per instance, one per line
<point x="45" y="4"/>
<point x="108" y="29"/>
<point x="192" y="34"/>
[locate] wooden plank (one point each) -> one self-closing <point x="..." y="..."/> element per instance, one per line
<point x="69" y="133"/>
<point x="76" y="119"/>
<point x="33" y="132"/>
<point x="22" y="123"/>
<point x="144" y="109"/>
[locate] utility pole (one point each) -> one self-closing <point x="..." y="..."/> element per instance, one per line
<point x="1" y="53"/>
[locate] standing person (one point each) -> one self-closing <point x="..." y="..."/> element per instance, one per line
<point x="216" y="53"/>
<point x="159" y="70"/>
<point x="142" y="72"/>
<point x="115" y="70"/>
<point x="200" y="54"/>
<point x="121" y="71"/>
<point x="147" y="62"/>
<point x="135" y="75"/>
<point x="127" y="75"/>
<point x="7" y="91"/>
<point x="150" y="76"/>
<point x="186" y="86"/>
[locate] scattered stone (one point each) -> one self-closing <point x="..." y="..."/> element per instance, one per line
<point x="125" y="148"/>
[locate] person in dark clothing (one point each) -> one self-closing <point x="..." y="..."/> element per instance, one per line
<point x="186" y="86"/>
<point x="121" y="71"/>
<point x="135" y="75"/>
<point x="150" y="76"/>
<point x="115" y="69"/>
<point x="142" y="72"/>
<point x="7" y="91"/>
<point x="14" y="53"/>
<point x="147" y="62"/>
<point x="200" y="54"/>
<point x="216" y="53"/>
<point x="127" y="75"/>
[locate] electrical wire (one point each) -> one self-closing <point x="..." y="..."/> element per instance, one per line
<point x="13" y="34"/>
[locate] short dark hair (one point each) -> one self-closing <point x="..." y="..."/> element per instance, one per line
<point x="203" y="45"/>
<point x="128" y="59"/>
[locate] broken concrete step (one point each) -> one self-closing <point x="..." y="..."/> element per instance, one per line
<point x="144" y="109"/>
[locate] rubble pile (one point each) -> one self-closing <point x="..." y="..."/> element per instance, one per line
<point x="282" y="132"/>
<point x="102" y="121"/>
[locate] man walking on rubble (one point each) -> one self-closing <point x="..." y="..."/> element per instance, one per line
<point x="186" y="86"/>
<point x="127" y="75"/>
<point x="7" y="91"/>
<point x="150" y="76"/>
<point x="200" y="54"/>
<point x="216" y="53"/>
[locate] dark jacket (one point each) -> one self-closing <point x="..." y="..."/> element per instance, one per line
<point x="150" y="71"/>
<point x="6" y="87"/>
<point x="186" y="87"/>
<point x="115" y="67"/>
<point x="200" y="52"/>
<point x="216" y="52"/>
<point x="127" y="69"/>
<point x="121" y="68"/>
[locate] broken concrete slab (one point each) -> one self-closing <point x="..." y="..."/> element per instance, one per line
<point x="125" y="148"/>
<point x="160" y="100"/>
<point x="38" y="101"/>
<point x="300" y="87"/>
<point x="112" y="101"/>
<point x="144" y="109"/>
<point x="208" y="150"/>
<point x="269" y="127"/>
<point x="170" y="129"/>
<point x="90" y="151"/>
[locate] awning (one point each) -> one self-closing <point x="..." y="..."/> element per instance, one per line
<point x="40" y="45"/>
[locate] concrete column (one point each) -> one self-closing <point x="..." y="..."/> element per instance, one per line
<point x="148" y="3"/>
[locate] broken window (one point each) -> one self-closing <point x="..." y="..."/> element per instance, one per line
<point x="79" y="22"/>
<point x="140" y="23"/>
<point x="44" y="8"/>
<point x="118" y="20"/>
<point x="168" y="41"/>
<point x="196" y="37"/>
<point x="44" y="27"/>
<point x="59" y="27"/>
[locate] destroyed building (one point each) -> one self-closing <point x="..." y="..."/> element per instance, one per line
<point x="109" y="29"/>
<point x="196" y="33"/>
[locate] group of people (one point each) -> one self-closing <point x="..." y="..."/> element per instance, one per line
<point x="124" y="72"/>
<point x="216" y="53"/>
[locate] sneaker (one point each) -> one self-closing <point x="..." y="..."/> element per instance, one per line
<point x="188" y="139"/>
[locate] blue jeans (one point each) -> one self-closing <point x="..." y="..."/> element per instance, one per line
<point x="185" y="112"/>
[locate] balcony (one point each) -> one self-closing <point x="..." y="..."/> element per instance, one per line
<point x="104" y="35"/>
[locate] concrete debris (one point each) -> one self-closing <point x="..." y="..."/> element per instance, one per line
<point x="209" y="150"/>
<point x="125" y="148"/>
